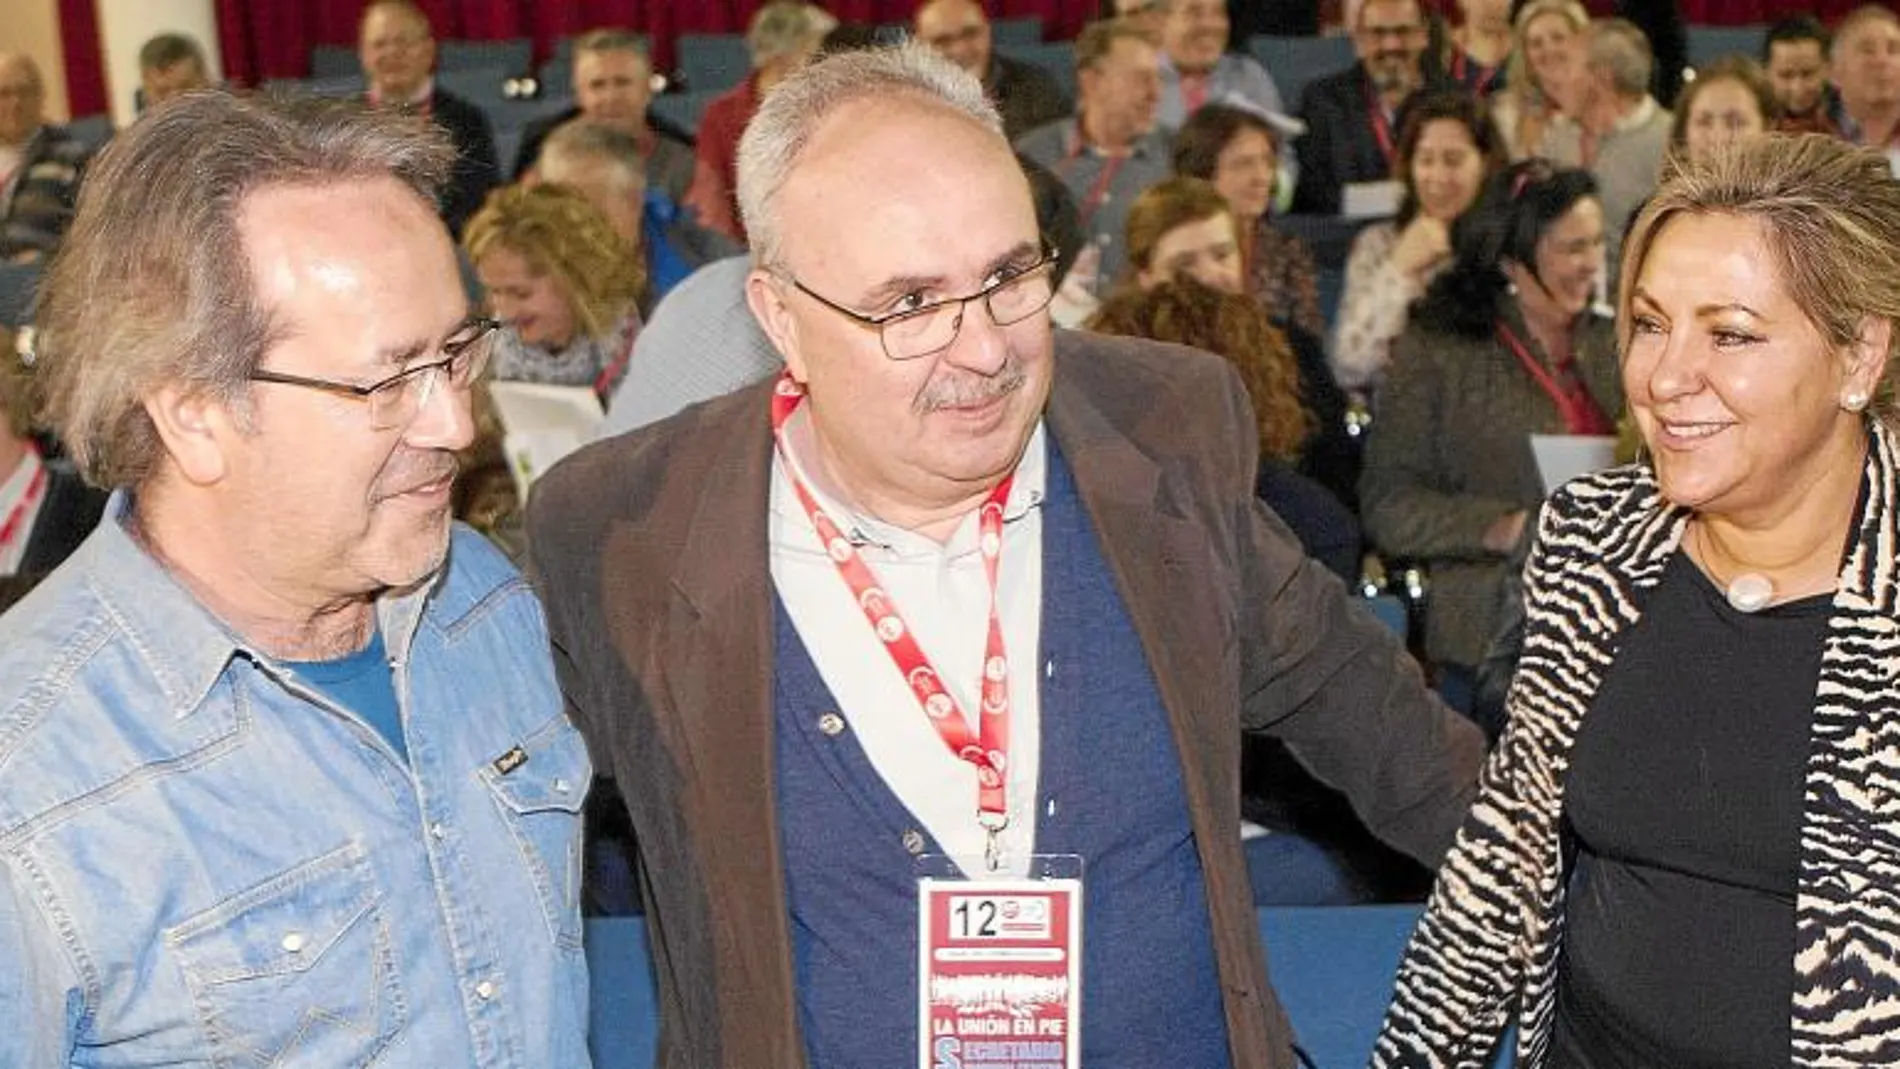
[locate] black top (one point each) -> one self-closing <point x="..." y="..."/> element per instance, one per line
<point x="1683" y="812"/>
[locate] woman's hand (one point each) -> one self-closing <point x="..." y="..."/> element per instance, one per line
<point x="1423" y="244"/>
<point x="1501" y="537"/>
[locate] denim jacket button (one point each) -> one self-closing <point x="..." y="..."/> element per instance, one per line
<point x="437" y="831"/>
<point x="485" y="990"/>
<point x="293" y="943"/>
<point x="831" y="723"/>
<point x="561" y="786"/>
<point x="914" y="841"/>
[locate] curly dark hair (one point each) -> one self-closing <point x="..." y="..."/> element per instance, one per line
<point x="1232" y="326"/>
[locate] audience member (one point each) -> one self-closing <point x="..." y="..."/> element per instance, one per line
<point x="1351" y="117"/>
<point x="1025" y="95"/>
<point x="613" y="85"/>
<point x="1110" y="150"/>
<point x="1187" y="311"/>
<point x="296" y="780"/>
<point x="1239" y="152"/>
<point x="1183" y="227"/>
<point x="1619" y="134"/>
<point x="170" y="64"/>
<point x="40" y="165"/>
<point x="1503" y="345"/>
<point x="1795" y="53"/>
<point x="1681" y="852"/>
<point x="700" y="343"/>
<point x="1729" y="98"/>
<point x="1148" y="15"/>
<point x="1481" y="46"/>
<point x="564" y="284"/>
<point x="1544" y="77"/>
<point x="46" y="509"/>
<point x="1197" y="68"/>
<point x="783" y="36"/>
<point x="1864" y="64"/>
<point x="1448" y="149"/>
<point x="604" y="163"/>
<point x="397" y="48"/>
<point x="735" y="686"/>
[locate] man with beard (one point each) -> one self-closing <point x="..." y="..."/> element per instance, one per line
<point x="1043" y="608"/>
<point x="1351" y="117"/>
<point x="287" y="775"/>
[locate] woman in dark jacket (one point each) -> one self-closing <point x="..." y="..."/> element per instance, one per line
<point x="1504" y="345"/>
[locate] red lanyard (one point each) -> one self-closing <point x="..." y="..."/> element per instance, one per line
<point x="1461" y="64"/>
<point x="1581" y="414"/>
<point x="1194" y="92"/>
<point x="987" y="750"/>
<point x="1381" y="126"/>
<point x="1091" y="201"/>
<point x="605" y="380"/>
<point x="15" y="525"/>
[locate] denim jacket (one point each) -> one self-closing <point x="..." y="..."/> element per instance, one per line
<point x="205" y="862"/>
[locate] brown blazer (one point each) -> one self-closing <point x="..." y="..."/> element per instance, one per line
<point x="652" y="555"/>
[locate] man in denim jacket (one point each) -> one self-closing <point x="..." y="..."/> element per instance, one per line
<point x="284" y="775"/>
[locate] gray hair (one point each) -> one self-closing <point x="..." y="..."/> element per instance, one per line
<point x="581" y="140"/>
<point x="151" y="286"/>
<point x="785" y="28"/>
<point x="1619" y="47"/>
<point x="796" y="107"/>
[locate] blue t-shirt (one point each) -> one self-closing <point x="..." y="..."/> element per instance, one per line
<point x="362" y="683"/>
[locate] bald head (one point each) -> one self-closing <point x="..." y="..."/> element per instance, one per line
<point x="22" y="98"/>
<point x="958" y="30"/>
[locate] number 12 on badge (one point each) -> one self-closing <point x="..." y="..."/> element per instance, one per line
<point x="999" y="974"/>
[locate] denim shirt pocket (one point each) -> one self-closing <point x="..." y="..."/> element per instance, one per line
<point x="296" y="971"/>
<point x="539" y="788"/>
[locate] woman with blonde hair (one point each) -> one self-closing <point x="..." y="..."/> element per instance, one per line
<point x="1683" y="849"/>
<point x="564" y="283"/>
<point x="1545" y="72"/>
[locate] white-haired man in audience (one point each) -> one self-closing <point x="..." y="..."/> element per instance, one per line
<point x="1620" y="133"/>
<point x="40" y="165"/>
<point x="605" y="165"/>
<point x="1025" y="95"/>
<point x="1045" y="610"/>
<point x="613" y="85"/>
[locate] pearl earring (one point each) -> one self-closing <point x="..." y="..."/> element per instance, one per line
<point x="1854" y="400"/>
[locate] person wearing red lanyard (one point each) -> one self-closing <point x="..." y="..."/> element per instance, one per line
<point x="1504" y="344"/>
<point x="1111" y="149"/>
<point x="957" y="584"/>
<point x="46" y="509"/>
<point x="1481" y="45"/>
<point x="1350" y="133"/>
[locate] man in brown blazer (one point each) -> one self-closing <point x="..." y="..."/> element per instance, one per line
<point x="1060" y="528"/>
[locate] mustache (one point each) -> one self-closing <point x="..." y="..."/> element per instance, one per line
<point x="963" y="389"/>
<point x="405" y="475"/>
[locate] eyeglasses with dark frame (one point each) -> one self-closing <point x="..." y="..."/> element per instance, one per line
<point x="393" y="402"/>
<point x="914" y="333"/>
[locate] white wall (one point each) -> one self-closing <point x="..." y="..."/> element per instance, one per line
<point x="125" y="26"/>
<point x="33" y="28"/>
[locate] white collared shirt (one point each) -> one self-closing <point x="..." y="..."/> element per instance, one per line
<point x="943" y="594"/>
<point x="12" y="492"/>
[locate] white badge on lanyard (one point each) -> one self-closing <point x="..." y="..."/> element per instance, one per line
<point x="999" y="966"/>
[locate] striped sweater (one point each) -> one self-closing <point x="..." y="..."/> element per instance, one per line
<point x="1488" y="945"/>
